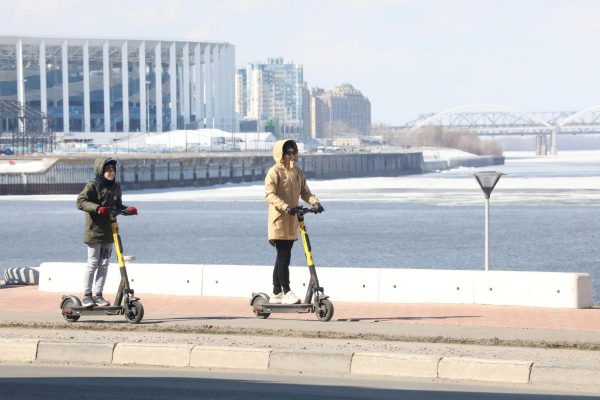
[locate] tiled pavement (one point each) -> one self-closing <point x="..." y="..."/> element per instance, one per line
<point x="27" y="303"/>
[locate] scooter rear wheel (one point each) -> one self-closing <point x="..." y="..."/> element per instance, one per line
<point x="67" y="304"/>
<point x="259" y="301"/>
<point x="324" y="311"/>
<point x="135" y="315"/>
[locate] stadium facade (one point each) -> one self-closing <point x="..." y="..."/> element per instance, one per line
<point x="121" y="85"/>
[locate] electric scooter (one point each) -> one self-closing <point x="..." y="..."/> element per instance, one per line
<point x="315" y="300"/>
<point x="125" y="302"/>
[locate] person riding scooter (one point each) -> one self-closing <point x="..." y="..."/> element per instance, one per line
<point x="285" y="184"/>
<point x="97" y="198"/>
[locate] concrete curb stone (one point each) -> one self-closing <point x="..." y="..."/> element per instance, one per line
<point x="86" y="352"/>
<point x="576" y="375"/>
<point x="163" y="355"/>
<point x="400" y="365"/>
<point x="18" y="350"/>
<point x="310" y="361"/>
<point x="489" y="370"/>
<point x="229" y="357"/>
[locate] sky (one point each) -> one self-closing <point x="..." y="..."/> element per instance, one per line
<point x="409" y="57"/>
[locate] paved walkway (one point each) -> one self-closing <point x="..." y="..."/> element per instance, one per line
<point x="26" y="303"/>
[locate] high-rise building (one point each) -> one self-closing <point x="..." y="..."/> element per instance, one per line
<point x="241" y="83"/>
<point x="343" y="111"/>
<point x="275" y="90"/>
<point x="121" y="85"/>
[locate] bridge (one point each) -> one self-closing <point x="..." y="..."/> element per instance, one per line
<point x="491" y="120"/>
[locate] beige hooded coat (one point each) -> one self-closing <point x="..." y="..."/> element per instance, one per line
<point x="284" y="186"/>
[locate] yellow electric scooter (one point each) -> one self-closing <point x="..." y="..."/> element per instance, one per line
<point x="315" y="300"/>
<point x="125" y="302"/>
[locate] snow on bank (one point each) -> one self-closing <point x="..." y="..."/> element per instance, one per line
<point x="21" y="166"/>
<point x="455" y="187"/>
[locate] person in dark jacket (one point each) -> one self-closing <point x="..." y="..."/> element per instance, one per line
<point x="96" y="199"/>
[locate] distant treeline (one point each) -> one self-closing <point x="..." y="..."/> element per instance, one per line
<point x="435" y="136"/>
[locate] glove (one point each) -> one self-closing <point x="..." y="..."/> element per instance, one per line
<point x="102" y="210"/>
<point x="318" y="208"/>
<point x="291" y="211"/>
<point x="132" y="211"/>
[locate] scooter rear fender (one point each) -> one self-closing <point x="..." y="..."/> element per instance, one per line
<point x="259" y="294"/>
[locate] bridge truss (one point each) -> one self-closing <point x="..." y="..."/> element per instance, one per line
<point x="489" y="120"/>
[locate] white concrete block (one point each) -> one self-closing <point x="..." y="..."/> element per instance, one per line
<point x="310" y="361"/>
<point x="390" y="364"/>
<point x="489" y="370"/>
<point x="164" y="355"/>
<point x="426" y="286"/>
<point x="67" y="277"/>
<point x="535" y="289"/>
<point x="18" y="350"/>
<point x="236" y="280"/>
<point x="345" y="284"/>
<point x="389" y="285"/>
<point x="82" y="352"/>
<point x="169" y="279"/>
<point x="229" y="357"/>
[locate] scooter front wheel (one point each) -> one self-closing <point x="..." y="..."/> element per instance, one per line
<point x="324" y="311"/>
<point x="67" y="305"/>
<point x="136" y="313"/>
<point x="257" y="305"/>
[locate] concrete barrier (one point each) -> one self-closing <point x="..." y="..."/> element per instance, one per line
<point x="489" y="370"/>
<point x="164" y="355"/>
<point x="18" y="350"/>
<point x="310" y="361"/>
<point x="386" y="285"/>
<point x="229" y="357"/>
<point x="83" y="352"/>
<point x="400" y="365"/>
<point x="21" y="276"/>
<point x="537" y="289"/>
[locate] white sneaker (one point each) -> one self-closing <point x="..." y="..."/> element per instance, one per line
<point x="276" y="298"/>
<point x="290" y="298"/>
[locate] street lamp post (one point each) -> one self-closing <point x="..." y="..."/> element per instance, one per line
<point x="487" y="181"/>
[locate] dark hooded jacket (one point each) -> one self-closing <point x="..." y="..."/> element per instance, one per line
<point x="96" y="193"/>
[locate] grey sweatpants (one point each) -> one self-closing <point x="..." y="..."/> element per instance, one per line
<point x="98" y="258"/>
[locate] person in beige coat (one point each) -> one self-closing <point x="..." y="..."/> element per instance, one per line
<point x="285" y="184"/>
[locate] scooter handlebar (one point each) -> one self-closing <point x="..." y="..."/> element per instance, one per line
<point x="300" y="210"/>
<point x="114" y="212"/>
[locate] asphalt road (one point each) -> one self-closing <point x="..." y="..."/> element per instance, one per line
<point x="30" y="381"/>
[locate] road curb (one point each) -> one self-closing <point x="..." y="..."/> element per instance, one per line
<point x="18" y="350"/>
<point x="159" y="355"/>
<point x="400" y="365"/>
<point x="310" y="361"/>
<point x="361" y="364"/>
<point x="229" y="357"/>
<point x="85" y="352"/>
<point x="488" y="370"/>
<point x="568" y="375"/>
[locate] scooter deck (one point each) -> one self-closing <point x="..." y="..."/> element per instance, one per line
<point x="95" y="310"/>
<point x="288" y="308"/>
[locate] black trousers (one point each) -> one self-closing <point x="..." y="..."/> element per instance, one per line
<point x="281" y="272"/>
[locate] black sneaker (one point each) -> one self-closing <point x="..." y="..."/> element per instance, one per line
<point x="88" y="301"/>
<point x="100" y="302"/>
